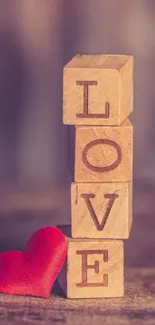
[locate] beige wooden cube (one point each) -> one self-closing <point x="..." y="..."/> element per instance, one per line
<point x="101" y="210"/>
<point x="94" y="268"/>
<point x="98" y="89"/>
<point x="103" y="154"/>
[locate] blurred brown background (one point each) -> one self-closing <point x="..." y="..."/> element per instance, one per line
<point x="37" y="37"/>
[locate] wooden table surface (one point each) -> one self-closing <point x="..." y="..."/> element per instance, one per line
<point x="137" y="307"/>
<point x="25" y="209"/>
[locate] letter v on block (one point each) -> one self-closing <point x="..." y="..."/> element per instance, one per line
<point x="101" y="210"/>
<point x="111" y="197"/>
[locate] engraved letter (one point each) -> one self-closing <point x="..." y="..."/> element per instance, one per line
<point x="111" y="197"/>
<point x="103" y="169"/>
<point x="95" y="267"/>
<point x="85" y="113"/>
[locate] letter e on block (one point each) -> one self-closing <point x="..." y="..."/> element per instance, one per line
<point x="104" y="154"/>
<point x="94" y="268"/>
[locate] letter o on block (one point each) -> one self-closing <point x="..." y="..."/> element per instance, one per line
<point x="102" y="169"/>
<point x="104" y="154"/>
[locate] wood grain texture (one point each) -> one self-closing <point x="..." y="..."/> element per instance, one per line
<point x="94" y="268"/>
<point x="98" y="90"/>
<point x="104" y="154"/>
<point x="101" y="210"/>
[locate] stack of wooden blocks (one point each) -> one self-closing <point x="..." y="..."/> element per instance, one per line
<point x="98" y="98"/>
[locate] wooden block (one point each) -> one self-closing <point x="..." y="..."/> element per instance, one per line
<point x="103" y="154"/>
<point x="98" y="90"/>
<point x="101" y="210"/>
<point x="94" y="268"/>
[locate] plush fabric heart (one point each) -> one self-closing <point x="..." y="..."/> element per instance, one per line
<point x="34" y="272"/>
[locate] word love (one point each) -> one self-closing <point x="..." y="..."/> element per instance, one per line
<point x="97" y="101"/>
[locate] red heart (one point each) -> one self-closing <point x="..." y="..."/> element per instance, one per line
<point x="34" y="272"/>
